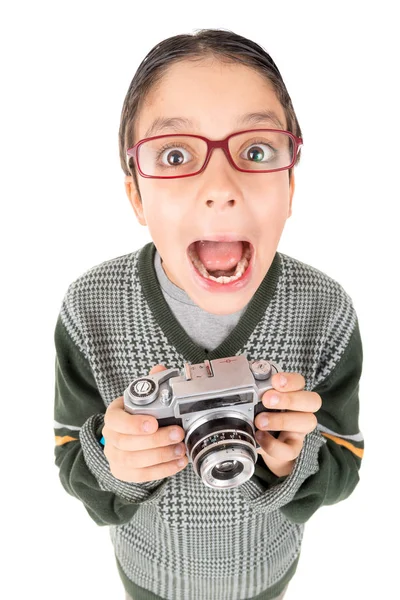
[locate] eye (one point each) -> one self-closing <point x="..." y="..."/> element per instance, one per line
<point x="173" y="155"/>
<point x="258" y="152"/>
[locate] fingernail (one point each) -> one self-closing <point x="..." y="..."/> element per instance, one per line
<point x="174" y="435"/>
<point x="273" y="401"/>
<point x="181" y="462"/>
<point x="259" y="436"/>
<point x="263" y="421"/>
<point x="282" y="380"/>
<point x="146" y="426"/>
<point x="179" y="450"/>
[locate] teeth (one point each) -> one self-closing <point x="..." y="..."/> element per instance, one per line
<point x="240" y="267"/>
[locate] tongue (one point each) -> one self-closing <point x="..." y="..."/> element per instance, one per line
<point x="219" y="256"/>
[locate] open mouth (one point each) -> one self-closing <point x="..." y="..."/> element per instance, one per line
<point x="231" y="272"/>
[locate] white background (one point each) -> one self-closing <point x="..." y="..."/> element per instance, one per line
<point x="65" y="70"/>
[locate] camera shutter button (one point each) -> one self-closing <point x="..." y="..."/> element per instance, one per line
<point x="166" y="397"/>
<point x="261" y="369"/>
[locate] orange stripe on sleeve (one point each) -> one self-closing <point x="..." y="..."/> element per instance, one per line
<point x="357" y="451"/>
<point x="61" y="440"/>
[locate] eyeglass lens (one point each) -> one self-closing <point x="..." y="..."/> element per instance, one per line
<point x="175" y="155"/>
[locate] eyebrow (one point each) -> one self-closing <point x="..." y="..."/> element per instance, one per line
<point x="178" y="123"/>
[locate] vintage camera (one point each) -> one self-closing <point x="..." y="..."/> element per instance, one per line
<point x="215" y="402"/>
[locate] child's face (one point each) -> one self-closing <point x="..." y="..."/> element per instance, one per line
<point x="220" y="200"/>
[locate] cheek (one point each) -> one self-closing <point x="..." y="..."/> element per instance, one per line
<point x="166" y="214"/>
<point x="155" y="201"/>
<point x="271" y="200"/>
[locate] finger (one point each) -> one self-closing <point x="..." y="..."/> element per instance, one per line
<point x="141" y="459"/>
<point x="117" y="419"/>
<point x="163" y="470"/>
<point x="280" y="450"/>
<point x="288" y="382"/>
<point x="298" y="422"/>
<point x="300" y="400"/>
<point x="151" y="473"/>
<point x="164" y="436"/>
<point x="157" y="369"/>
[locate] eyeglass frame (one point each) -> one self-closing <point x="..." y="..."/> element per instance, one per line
<point x="211" y="144"/>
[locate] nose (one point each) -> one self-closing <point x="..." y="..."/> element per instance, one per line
<point x="219" y="181"/>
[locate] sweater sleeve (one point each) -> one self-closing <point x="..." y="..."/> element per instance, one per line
<point x="79" y="419"/>
<point x="327" y="469"/>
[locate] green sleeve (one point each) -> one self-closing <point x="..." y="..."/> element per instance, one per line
<point x="327" y="469"/>
<point x="340" y="457"/>
<point x="79" y="418"/>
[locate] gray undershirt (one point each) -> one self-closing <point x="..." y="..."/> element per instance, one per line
<point x="205" y="329"/>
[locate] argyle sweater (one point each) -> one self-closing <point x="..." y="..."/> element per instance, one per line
<point x="176" y="538"/>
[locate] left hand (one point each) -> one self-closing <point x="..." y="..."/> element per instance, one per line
<point x="279" y="454"/>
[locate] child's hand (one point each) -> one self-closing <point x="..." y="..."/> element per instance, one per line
<point x="279" y="454"/>
<point x="136" y="455"/>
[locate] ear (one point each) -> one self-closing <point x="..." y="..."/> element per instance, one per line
<point x="134" y="198"/>
<point x="291" y="192"/>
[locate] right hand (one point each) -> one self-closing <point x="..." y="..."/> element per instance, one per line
<point x="135" y="455"/>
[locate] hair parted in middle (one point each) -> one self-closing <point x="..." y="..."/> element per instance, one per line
<point x="224" y="45"/>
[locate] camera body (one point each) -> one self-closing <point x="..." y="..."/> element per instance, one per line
<point x="215" y="402"/>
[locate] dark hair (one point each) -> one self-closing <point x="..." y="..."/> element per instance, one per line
<point x="218" y="43"/>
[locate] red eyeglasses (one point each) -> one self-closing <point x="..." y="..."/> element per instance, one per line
<point x="184" y="155"/>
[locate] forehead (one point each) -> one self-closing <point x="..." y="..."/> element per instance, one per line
<point x="210" y="98"/>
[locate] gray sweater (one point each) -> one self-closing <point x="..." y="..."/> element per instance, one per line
<point x="176" y="538"/>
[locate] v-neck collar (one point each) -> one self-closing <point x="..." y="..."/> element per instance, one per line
<point x="173" y="330"/>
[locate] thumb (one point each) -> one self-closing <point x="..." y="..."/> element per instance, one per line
<point x="157" y="369"/>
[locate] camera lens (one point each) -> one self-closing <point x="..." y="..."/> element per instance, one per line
<point x="222" y="449"/>
<point x="227" y="470"/>
<point x="228" y="465"/>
